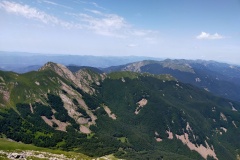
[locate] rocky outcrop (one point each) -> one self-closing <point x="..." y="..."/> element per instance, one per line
<point x="82" y="78"/>
<point x="28" y="154"/>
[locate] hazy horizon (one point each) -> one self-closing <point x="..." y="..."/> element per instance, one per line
<point x="130" y="57"/>
<point x="187" y="29"/>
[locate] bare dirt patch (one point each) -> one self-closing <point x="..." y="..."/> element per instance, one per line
<point x="5" y="94"/>
<point x="203" y="151"/>
<point x="233" y="108"/>
<point x="68" y="89"/>
<point x="61" y="125"/>
<point x="234" y="124"/>
<point x="109" y="112"/>
<point x="188" y="127"/>
<point x="85" y="129"/>
<point x="141" y="104"/>
<point x="48" y="121"/>
<point x="170" y="134"/>
<point x="224" y="129"/>
<point x="85" y="107"/>
<point x="82" y="120"/>
<point x="31" y="108"/>
<point x="158" y="139"/>
<point x="70" y="107"/>
<point x="223" y="117"/>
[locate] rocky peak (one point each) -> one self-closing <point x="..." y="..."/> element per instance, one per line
<point x="82" y="78"/>
<point x="60" y="69"/>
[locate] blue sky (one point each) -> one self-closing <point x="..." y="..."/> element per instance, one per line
<point x="191" y="29"/>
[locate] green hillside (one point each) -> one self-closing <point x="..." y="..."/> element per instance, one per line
<point x="130" y="115"/>
<point x="8" y="147"/>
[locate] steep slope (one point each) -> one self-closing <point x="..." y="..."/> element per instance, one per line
<point x="157" y="114"/>
<point x="37" y="107"/>
<point x="133" y="115"/>
<point x="219" y="78"/>
<point x="83" y="78"/>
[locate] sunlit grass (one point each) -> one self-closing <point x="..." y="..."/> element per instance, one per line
<point x="9" y="146"/>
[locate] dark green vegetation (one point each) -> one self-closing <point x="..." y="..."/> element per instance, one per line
<point x="167" y="105"/>
<point x="219" y="78"/>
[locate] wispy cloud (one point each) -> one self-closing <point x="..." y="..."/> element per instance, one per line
<point x="104" y="24"/>
<point x="142" y="33"/>
<point x="56" y="4"/>
<point x="96" y="5"/>
<point x="33" y="13"/>
<point x="205" y="35"/>
<point x="96" y="21"/>
<point x="90" y="3"/>
<point x="109" y="24"/>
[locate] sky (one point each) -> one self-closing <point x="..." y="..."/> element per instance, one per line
<point x="189" y="29"/>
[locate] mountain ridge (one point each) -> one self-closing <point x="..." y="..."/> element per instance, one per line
<point x="133" y="115"/>
<point x="219" y="78"/>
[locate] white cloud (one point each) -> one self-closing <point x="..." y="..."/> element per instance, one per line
<point x="142" y="33"/>
<point x="97" y="6"/>
<point x="132" y="45"/>
<point x="103" y="24"/>
<point x="32" y="13"/>
<point x="205" y="35"/>
<point x="109" y="24"/>
<point x="90" y="3"/>
<point x="99" y="22"/>
<point x="56" y="4"/>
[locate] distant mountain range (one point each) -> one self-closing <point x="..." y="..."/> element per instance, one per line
<point x="24" y="62"/>
<point x="144" y="110"/>
<point x="219" y="78"/>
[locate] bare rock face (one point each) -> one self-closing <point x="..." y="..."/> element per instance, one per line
<point x="87" y="77"/>
<point x="82" y="78"/>
<point x="4" y="92"/>
<point x="62" y="71"/>
<point x="135" y="67"/>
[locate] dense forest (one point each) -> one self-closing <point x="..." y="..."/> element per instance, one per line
<point x="134" y="132"/>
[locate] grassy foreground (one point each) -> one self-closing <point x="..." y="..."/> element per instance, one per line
<point x="7" y="147"/>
